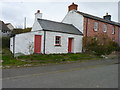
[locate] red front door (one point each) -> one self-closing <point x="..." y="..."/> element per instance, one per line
<point x="70" y="45"/>
<point x="37" y="44"/>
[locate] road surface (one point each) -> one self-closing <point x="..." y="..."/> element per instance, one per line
<point x="91" y="74"/>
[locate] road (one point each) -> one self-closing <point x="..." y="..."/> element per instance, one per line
<point x="91" y="74"/>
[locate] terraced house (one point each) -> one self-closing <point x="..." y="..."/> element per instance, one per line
<point x="91" y="25"/>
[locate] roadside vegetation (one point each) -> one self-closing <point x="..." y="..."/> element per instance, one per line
<point x="20" y="30"/>
<point x="35" y="59"/>
<point x="100" y="45"/>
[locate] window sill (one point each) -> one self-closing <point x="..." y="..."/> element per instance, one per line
<point x="104" y="31"/>
<point x="95" y="30"/>
<point x="58" y="45"/>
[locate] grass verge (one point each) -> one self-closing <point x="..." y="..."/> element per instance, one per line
<point x="37" y="59"/>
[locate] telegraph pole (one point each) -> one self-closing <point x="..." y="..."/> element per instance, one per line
<point x="25" y="23"/>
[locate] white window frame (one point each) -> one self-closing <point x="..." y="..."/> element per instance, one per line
<point x="104" y="28"/>
<point x="113" y="30"/>
<point x="96" y="26"/>
<point x="59" y="40"/>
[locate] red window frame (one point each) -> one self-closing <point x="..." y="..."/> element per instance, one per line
<point x="57" y="40"/>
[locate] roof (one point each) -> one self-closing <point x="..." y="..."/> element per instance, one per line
<point x="58" y="27"/>
<point x="3" y="27"/>
<point x="98" y="18"/>
<point x="7" y="23"/>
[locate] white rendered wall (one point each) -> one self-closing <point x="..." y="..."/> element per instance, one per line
<point x="24" y="43"/>
<point x="10" y="26"/>
<point x="50" y="43"/>
<point x="74" y="18"/>
<point x="36" y="26"/>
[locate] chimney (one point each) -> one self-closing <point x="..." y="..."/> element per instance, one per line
<point x="38" y="15"/>
<point x="72" y="7"/>
<point x="107" y="17"/>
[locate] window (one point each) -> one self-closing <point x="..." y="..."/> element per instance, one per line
<point x="57" y="41"/>
<point x="113" y="30"/>
<point x="105" y="28"/>
<point x="96" y="26"/>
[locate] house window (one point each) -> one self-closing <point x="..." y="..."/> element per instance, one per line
<point x="113" y="30"/>
<point x="105" y="28"/>
<point x="96" y="26"/>
<point x="57" y="41"/>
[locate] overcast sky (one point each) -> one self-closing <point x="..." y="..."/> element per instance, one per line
<point x="14" y="12"/>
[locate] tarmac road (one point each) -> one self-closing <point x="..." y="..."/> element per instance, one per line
<point x="91" y="74"/>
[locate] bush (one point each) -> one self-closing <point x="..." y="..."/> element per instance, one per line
<point x="20" y="30"/>
<point x="100" y="45"/>
<point x="5" y="42"/>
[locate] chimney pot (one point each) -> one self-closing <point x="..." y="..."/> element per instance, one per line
<point x="107" y="17"/>
<point x="106" y="13"/>
<point x="38" y="11"/>
<point x="38" y="15"/>
<point x="72" y="7"/>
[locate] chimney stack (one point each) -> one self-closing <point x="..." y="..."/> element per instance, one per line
<point x="107" y="17"/>
<point x="38" y="15"/>
<point x="72" y="7"/>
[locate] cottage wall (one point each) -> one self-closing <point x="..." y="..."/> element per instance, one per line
<point x="36" y="26"/>
<point x="24" y="43"/>
<point x="74" y="18"/>
<point x="50" y="43"/>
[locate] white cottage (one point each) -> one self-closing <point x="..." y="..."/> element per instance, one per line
<point x="48" y="37"/>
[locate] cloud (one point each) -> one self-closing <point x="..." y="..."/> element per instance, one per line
<point x="15" y="12"/>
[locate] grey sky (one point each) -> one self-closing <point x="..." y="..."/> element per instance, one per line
<point x="119" y="12"/>
<point x="14" y="12"/>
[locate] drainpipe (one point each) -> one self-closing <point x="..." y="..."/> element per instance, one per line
<point x="44" y="42"/>
<point x="86" y="26"/>
<point x="14" y="45"/>
<point x="119" y="36"/>
<point x="86" y="33"/>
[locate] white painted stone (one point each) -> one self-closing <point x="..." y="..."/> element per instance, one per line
<point x="36" y="26"/>
<point x="50" y="43"/>
<point x="10" y="26"/>
<point x="23" y="41"/>
<point x="74" y="18"/>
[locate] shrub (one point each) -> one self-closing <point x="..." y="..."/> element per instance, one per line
<point x="5" y="42"/>
<point x="100" y="45"/>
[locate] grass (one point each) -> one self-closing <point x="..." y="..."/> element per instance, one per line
<point x="8" y="58"/>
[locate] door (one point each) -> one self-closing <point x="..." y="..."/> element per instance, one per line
<point x="70" y="43"/>
<point x="37" y="44"/>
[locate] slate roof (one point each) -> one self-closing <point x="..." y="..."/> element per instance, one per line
<point x="98" y="18"/>
<point x="58" y="27"/>
<point x="3" y="27"/>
